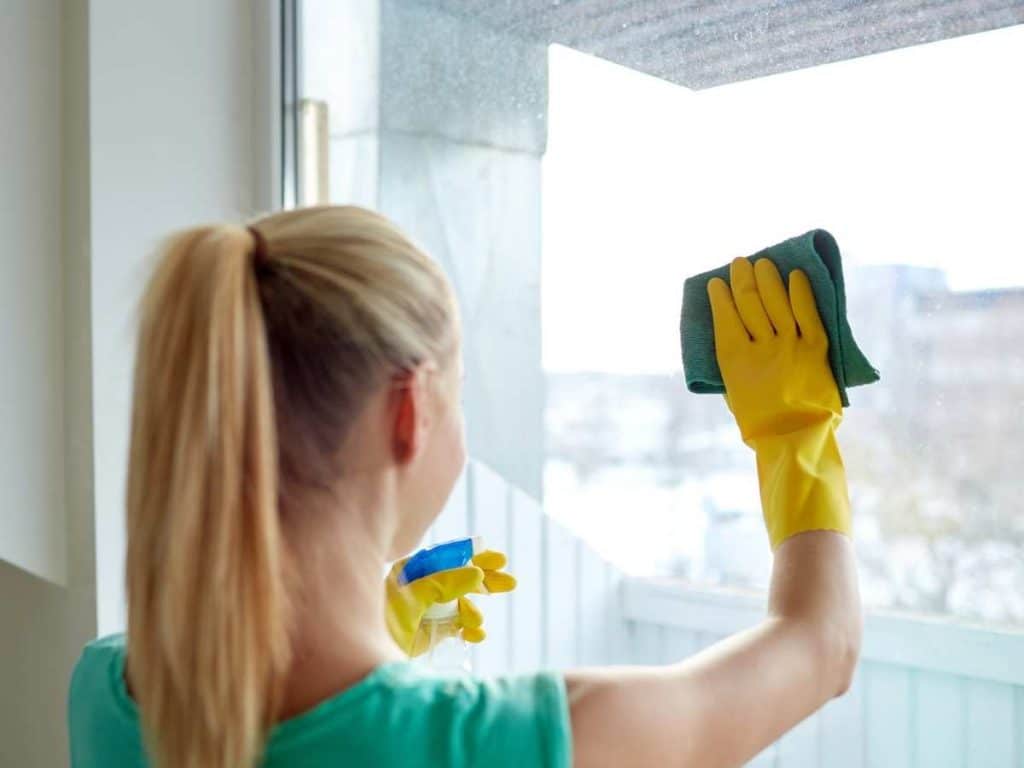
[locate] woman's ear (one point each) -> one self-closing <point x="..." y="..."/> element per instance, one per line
<point x="406" y="430"/>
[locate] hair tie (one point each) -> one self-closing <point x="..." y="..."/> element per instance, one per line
<point x="260" y="257"/>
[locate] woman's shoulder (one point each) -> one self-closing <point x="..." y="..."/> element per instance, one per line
<point x="108" y="646"/>
<point x="99" y="668"/>
<point x="102" y="719"/>
<point x="98" y="662"/>
<point x="401" y="710"/>
<point x="508" y="701"/>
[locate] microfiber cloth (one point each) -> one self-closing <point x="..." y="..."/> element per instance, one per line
<point x="817" y="254"/>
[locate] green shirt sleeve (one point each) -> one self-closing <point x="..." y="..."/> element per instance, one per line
<point x="505" y="721"/>
<point x="402" y="716"/>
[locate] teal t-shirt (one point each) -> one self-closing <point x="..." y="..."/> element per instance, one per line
<point x="397" y="716"/>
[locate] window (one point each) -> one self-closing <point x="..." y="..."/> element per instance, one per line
<point x="568" y="198"/>
<point x="913" y="160"/>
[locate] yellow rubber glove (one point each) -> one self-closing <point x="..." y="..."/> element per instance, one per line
<point x="773" y="352"/>
<point x="406" y="603"/>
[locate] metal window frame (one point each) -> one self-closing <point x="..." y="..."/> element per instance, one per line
<point x="290" y="17"/>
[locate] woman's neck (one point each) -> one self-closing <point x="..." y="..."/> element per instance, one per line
<point x="339" y="633"/>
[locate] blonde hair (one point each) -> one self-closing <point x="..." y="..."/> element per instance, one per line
<point x="256" y="349"/>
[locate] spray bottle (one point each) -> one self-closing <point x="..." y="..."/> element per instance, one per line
<point x="448" y="651"/>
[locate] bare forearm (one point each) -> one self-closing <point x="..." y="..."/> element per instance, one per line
<point x="814" y="586"/>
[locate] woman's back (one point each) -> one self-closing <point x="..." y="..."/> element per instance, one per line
<point x="399" y="715"/>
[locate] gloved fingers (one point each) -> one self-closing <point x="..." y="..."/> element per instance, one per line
<point x="499" y="581"/>
<point x="475" y="635"/>
<point x="748" y="300"/>
<point x="495" y="580"/>
<point x="490" y="560"/>
<point x="445" y="586"/>
<point x="396" y="569"/>
<point x="429" y="635"/>
<point x="470" y="616"/>
<point x="729" y="329"/>
<point x="774" y="297"/>
<point x="805" y="310"/>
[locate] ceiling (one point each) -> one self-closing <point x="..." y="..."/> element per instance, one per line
<point x="704" y="44"/>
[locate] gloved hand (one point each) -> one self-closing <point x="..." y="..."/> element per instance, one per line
<point x="406" y="603"/>
<point x="773" y="352"/>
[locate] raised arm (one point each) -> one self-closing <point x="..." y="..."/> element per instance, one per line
<point x="724" y="705"/>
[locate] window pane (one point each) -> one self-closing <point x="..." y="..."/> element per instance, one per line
<point x="568" y="198"/>
<point x="913" y="160"/>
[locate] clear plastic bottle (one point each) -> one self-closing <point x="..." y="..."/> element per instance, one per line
<point x="449" y="653"/>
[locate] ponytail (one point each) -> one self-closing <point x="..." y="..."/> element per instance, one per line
<point x="207" y="604"/>
<point x="256" y="351"/>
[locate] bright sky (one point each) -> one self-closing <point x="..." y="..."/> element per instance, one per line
<point x="913" y="156"/>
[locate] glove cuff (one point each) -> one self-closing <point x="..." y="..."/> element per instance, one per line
<point x="803" y="482"/>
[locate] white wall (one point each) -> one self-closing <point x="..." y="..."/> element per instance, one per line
<point x="122" y="121"/>
<point x="31" y="481"/>
<point x="172" y="136"/>
<point x="37" y="623"/>
<point x="34" y="666"/>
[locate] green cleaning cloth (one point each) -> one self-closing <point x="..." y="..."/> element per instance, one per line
<point x="817" y="254"/>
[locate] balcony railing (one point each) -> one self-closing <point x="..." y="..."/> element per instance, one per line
<point x="928" y="692"/>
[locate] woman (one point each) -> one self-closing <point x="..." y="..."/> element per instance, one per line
<point x="297" y="425"/>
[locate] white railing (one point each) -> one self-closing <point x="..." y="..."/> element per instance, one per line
<point x="928" y="693"/>
<point x="565" y="611"/>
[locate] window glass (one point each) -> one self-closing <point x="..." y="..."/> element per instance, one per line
<point x="912" y="159"/>
<point x="568" y="198"/>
